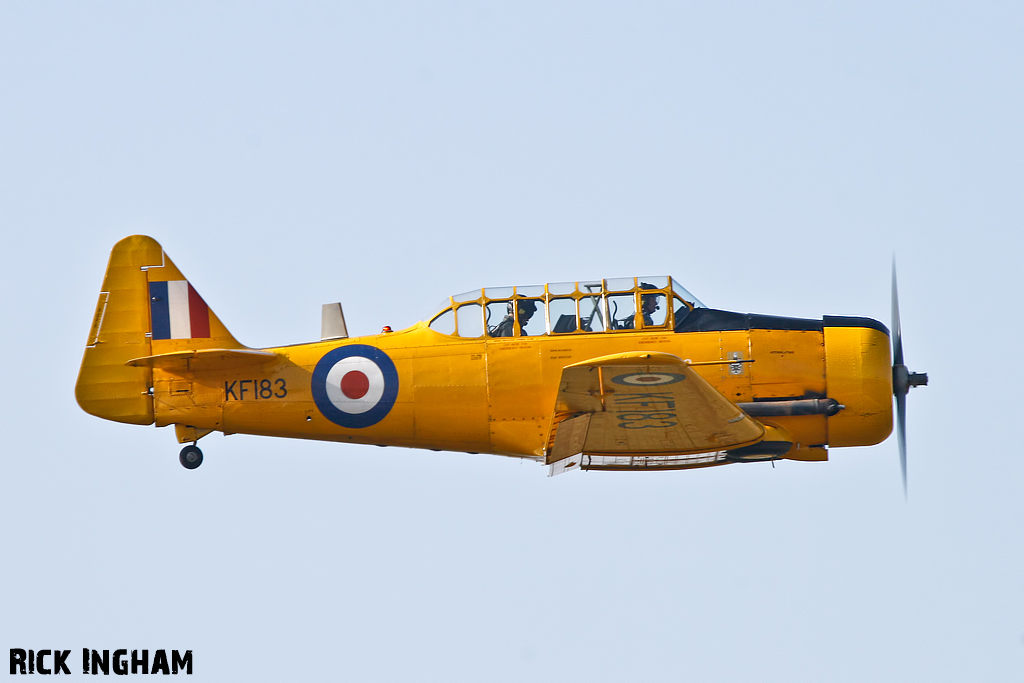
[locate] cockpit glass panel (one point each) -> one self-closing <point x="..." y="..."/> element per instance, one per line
<point x="682" y="309"/>
<point x="441" y="306"/>
<point x="530" y="313"/>
<point x="591" y="287"/>
<point x="500" y="322"/>
<point x="563" y="315"/>
<point x="620" y="284"/>
<point x="499" y="292"/>
<point x="622" y="309"/>
<point x="557" y="288"/>
<point x="444" y="323"/>
<point x="498" y="319"/>
<point x="470" y="320"/>
<point x="681" y="291"/>
<point x="471" y="295"/>
<point x="653" y="309"/>
<point x="530" y="290"/>
<point x="591" y="314"/>
<point x="656" y="281"/>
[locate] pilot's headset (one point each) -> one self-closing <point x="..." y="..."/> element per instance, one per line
<point x="524" y="305"/>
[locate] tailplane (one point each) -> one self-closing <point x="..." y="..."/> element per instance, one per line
<point x="146" y="307"/>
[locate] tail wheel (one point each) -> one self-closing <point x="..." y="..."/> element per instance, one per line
<point x="190" y="457"/>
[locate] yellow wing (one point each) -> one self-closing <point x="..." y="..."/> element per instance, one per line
<point x="643" y="410"/>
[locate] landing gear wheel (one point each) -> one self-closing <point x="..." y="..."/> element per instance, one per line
<point x="191" y="457"/>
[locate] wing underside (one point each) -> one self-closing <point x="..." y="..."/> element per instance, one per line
<point x="643" y="411"/>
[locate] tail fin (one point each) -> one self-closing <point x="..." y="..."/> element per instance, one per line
<point x="146" y="307"/>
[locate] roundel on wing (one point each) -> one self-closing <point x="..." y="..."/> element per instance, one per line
<point x="648" y="379"/>
<point x="355" y="386"/>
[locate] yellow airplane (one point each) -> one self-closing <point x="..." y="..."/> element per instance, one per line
<point x="616" y="374"/>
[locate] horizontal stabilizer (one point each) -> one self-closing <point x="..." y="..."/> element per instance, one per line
<point x="203" y="359"/>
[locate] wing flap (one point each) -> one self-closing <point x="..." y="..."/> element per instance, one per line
<point x="633" y="463"/>
<point x="571" y="437"/>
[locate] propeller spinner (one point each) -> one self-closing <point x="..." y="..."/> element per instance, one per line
<point x="902" y="379"/>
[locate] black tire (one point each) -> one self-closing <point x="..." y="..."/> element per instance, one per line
<point x="190" y="457"/>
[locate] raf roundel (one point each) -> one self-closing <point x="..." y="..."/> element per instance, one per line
<point x="355" y="386"/>
<point x="648" y="379"/>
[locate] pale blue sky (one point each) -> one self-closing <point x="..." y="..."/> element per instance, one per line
<point x="772" y="157"/>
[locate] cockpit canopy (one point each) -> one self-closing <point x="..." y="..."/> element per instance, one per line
<point x="615" y="305"/>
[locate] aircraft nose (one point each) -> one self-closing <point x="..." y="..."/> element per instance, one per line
<point x="858" y="374"/>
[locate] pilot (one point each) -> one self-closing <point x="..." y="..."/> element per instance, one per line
<point x="527" y="308"/>
<point x="648" y="305"/>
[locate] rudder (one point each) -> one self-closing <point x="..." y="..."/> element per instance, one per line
<point x="145" y="307"/>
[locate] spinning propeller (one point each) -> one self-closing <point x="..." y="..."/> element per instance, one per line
<point x="902" y="379"/>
